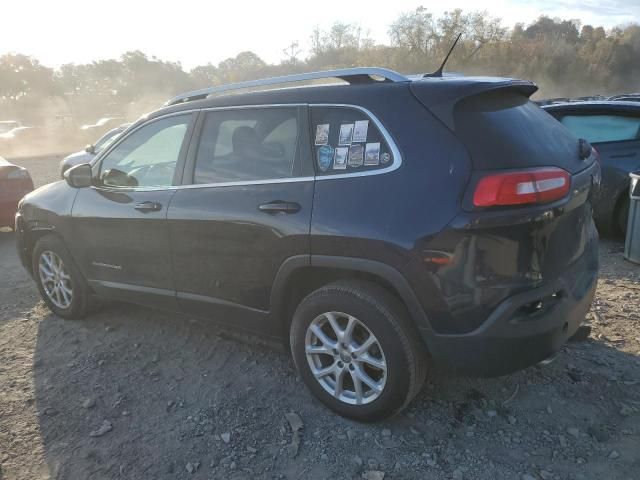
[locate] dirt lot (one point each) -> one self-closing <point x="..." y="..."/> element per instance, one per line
<point x="132" y="393"/>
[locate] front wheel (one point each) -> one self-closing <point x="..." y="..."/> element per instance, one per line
<point x="60" y="283"/>
<point x="356" y="350"/>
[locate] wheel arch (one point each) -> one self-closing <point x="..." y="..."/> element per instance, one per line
<point x="298" y="276"/>
<point x="29" y="236"/>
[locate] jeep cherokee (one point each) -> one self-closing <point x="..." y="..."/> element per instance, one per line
<point x="380" y="226"/>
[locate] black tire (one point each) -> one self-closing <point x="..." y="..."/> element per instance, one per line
<point x="385" y="316"/>
<point x="81" y="298"/>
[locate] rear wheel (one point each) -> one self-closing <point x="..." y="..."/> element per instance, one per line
<point x="356" y="350"/>
<point x="60" y="283"/>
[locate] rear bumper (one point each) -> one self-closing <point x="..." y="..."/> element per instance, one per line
<point x="517" y="335"/>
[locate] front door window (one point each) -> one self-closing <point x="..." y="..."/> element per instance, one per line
<point x="147" y="157"/>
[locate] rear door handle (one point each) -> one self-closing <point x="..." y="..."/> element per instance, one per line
<point x="279" y="206"/>
<point x="624" y="155"/>
<point x="146" y="207"/>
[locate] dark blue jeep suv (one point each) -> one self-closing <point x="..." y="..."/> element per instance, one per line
<point x="380" y="225"/>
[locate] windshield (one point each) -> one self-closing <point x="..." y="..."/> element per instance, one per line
<point x="107" y="140"/>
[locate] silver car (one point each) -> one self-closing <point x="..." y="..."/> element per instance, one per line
<point x="88" y="154"/>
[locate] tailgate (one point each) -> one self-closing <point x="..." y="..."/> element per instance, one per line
<point x="500" y="126"/>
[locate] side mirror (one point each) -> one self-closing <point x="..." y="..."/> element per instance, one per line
<point x="90" y="149"/>
<point x="79" y="176"/>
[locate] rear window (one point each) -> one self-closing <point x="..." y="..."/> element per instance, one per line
<point x="603" y="128"/>
<point x="504" y="129"/>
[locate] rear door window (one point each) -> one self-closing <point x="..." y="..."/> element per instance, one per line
<point x="346" y="140"/>
<point x="603" y="128"/>
<point x="248" y="144"/>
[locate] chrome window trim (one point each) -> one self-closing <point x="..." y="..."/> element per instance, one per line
<point x="240" y="183"/>
<point x="397" y="158"/>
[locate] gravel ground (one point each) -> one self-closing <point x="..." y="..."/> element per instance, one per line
<point x="133" y="393"/>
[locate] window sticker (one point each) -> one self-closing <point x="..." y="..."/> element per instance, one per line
<point x="325" y="157"/>
<point x="356" y="155"/>
<point x="340" y="159"/>
<point x="385" y="158"/>
<point x="360" y="131"/>
<point x="346" y="132"/>
<point x="322" y="134"/>
<point x="372" y="154"/>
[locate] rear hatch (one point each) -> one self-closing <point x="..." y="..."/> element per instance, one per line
<point x="500" y="126"/>
<point x="542" y="226"/>
<point x="504" y="129"/>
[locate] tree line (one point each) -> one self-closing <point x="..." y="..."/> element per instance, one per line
<point x="564" y="57"/>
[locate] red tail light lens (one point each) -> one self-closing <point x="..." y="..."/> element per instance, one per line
<point x="540" y="185"/>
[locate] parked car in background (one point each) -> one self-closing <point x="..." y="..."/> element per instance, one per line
<point x="626" y="97"/>
<point x="21" y="141"/>
<point x="89" y="153"/>
<point x="21" y="134"/>
<point x="101" y="126"/>
<point x="15" y="183"/>
<point x="8" y="125"/>
<point x="551" y="101"/>
<point x="613" y="128"/>
<point x="377" y="227"/>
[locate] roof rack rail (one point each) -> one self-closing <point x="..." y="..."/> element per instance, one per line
<point x="349" y="75"/>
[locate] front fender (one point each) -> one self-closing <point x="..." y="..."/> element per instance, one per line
<point x="45" y="210"/>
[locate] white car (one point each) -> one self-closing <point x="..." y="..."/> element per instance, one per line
<point x="8" y="125"/>
<point x="89" y="153"/>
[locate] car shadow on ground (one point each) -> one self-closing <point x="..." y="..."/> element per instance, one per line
<point x="135" y="393"/>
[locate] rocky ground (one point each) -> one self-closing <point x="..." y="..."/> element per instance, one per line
<point x="132" y="393"/>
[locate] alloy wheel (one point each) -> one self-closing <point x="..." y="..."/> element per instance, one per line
<point x="55" y="279"/>
<point x="346" y="358"/>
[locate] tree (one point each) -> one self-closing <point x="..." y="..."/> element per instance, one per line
<point x="564" y="57"/>
<point x="23" y="76"/>
<point x="291" y="53"/>
<point x="244" y="66"/>
<point x="205" y="76"/>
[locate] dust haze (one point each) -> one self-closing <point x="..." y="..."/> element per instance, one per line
<point x="563" y="56"/>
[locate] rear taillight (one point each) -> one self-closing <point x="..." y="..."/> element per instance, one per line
<point x="19" y="174"/>
<point x="540" y="185"/>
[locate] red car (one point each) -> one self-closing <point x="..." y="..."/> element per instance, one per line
<point x="15" y="183"/>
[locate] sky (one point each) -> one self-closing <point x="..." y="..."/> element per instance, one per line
<point x="197" y="32"/>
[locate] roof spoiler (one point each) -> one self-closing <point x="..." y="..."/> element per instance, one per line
<point x="440" y="95"/>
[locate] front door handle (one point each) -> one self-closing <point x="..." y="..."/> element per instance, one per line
<point x="279" y="206"/>
<point x="146" y="207"/>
